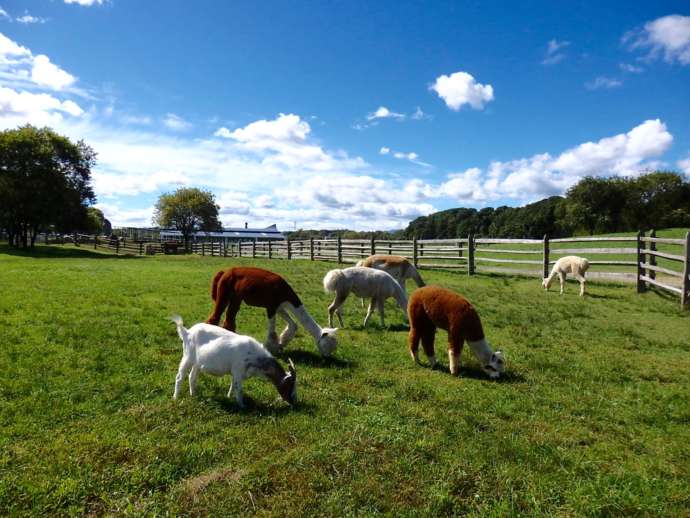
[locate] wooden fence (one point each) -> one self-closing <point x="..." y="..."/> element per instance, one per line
<point x="647" y="260"/>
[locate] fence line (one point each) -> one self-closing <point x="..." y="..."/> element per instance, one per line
<point x="640" y="261"/>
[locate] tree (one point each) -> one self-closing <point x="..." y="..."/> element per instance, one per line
<point x="188" y="210"/>
<point x="45" y="180"/>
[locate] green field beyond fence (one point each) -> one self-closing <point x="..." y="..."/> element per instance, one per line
<point x="591" y="419"/>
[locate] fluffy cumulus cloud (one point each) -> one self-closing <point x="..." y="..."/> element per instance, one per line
<point x="460" y="88"/>
<point x="667" y="37"/>
<point x="384" y="113"/>
<point x="684" y="165"/>
<point x="41" y="109"/>
<point x="45" y="73"/>
<point x="554" y="52"/>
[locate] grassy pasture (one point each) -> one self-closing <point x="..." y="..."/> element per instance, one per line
<point x="592" y="417"/>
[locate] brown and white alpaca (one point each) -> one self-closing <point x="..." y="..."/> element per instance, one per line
<point x="434" y="307"/>
<point x="578" y="266"/>
<point x="265" y="289"/>
<point x="394" y="265"/>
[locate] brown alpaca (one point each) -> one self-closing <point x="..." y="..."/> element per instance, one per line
<point x="264" y="289"/>
<point x="434" y="307"/>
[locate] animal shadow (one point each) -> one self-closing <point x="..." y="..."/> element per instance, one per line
<point x="314" y="359"/>
<point x="260" y="407"/>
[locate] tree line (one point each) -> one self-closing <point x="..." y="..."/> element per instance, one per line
<point x="595" y="205"/>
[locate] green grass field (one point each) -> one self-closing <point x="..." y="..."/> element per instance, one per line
<point x="592" y="417"/>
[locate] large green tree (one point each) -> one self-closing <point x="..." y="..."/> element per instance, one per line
<point x="45" y="182"/>
<point x="188" y="210"/>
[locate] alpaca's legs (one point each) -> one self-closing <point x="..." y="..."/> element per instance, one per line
<point x="561" y="277"/>
<point x="581" y="278"/>
<point x="428" y="344"/>
<point x="193" y="375"/>
<point x="185" y="365"/>
<point x="231" y="313"/>
<point x="222" y="298"/>
<point x="289" y="331"/>
<point x="379" y="304"/>
<point x="413" y="343"/>
<point x="454" y="350"/>
<point x="271" y="336"/>
<point x="335" y="306"/>
<point x="370" y="310"/>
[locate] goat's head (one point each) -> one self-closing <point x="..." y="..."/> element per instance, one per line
<point x="327" y="341"/>
<point x="288" y="386"/>
<point x="495" y="366"/>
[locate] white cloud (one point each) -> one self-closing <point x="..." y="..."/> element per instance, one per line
<point x="684" y="165"/>
<point x="384" y="113"/>
<point x="40" y="109"/>
<point x="603" y="82"/>
<point x="553" y="52"/>
<point x="419" y="115"/>
<point x="28" y="19"/>
<point x="460" y="88"/>
<point x="264" y="200"/>
<point x="85" y="3"/>
<point x="120" y="217"/>
<point x="626" y="67"/>
<point x="384" y="150"/>
<point x="529" y="179"/>
<point x="3" y="14"/>
<point x="45" y="73"/>
<point x="11" y="52"/>
<point x="141" y="120"/>
<point x="175" y="122"/>
<point x="668" y="36"/>
<point x="268" y="134"/>
<point x="223" y="132"/>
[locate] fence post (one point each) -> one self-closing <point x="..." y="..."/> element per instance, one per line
<point x="414" y="251"/>
<point x="141" y="248"/>
<point x="254" y="248"/>
<point x="470" y="254"/>
<point x="460" y="248"/>
<point x="270" y="249"/>
<point x="117" y="247"/>
<point x="289" y="252"/>
<point x="651" y="258"/>
<point x="311" y="248"/>
<point x="641" y="287"/>
<point x="95" y="242"/>
<point x="685" y="296"/>
<point x="340" y="250"/>
<point x="545" y="272"/>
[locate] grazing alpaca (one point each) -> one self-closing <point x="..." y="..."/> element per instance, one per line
<point x="434" y="307"/>
<point x="568" y="264"/>
<point x="396" y="266"/>
<point x="364" y="283"/>
<point x="268" y="290"/>
<point x="213" y="350"/>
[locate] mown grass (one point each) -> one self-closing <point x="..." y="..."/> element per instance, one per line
<point x="592" y="417"/>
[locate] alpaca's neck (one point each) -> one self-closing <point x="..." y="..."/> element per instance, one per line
<point x="481" y="350"/>
<point x="307" y="322"/>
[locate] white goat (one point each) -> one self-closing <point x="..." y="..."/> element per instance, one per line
<point x="213" y="350"/>
<point x="568" y="264"/>
<point x="365" y="283"/>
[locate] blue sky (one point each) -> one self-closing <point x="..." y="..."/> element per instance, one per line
<point x="350" y="114"/>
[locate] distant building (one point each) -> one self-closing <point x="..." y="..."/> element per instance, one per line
<point x="228" y="234"/>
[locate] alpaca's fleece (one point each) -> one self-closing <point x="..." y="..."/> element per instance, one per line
<point x="435" y="307"/>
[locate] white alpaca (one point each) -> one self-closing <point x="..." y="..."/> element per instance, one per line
<point x="366" y="283"/>
<point x="568" y="264"/>
<point x="213" y="350"/>
<point x="396" y="266"/>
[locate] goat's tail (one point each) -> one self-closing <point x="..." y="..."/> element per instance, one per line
<point x="214" y="284"/>
<point x="182" y="332"/>
<point x="331" y="280"/>
<point x="414" y="275"/>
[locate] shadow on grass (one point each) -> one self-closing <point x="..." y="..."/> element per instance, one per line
<point x="478" y="374"/>
<point x="262" y="408"/>
<point x="58" y="252"/>
<point x="314" y="359"/>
